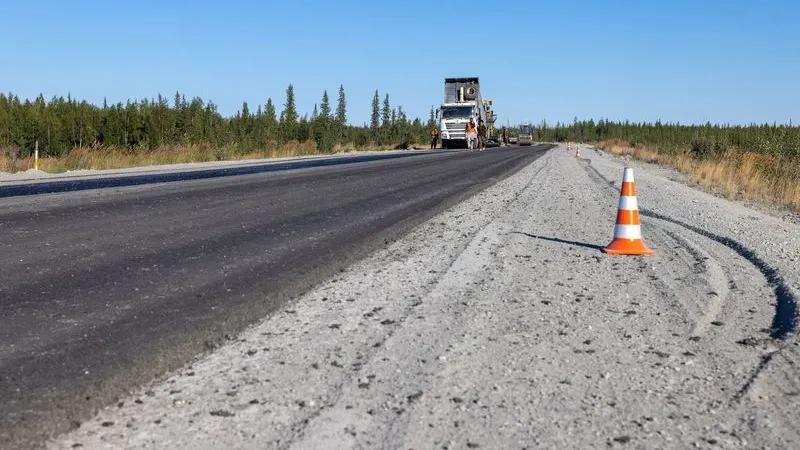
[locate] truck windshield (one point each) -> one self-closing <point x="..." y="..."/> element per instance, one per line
<point x="524" y="130"/>
<point x="457" y="113"/>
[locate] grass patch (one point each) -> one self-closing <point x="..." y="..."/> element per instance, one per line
<point x="736" y="174"/>
<point x="109" y="157"/>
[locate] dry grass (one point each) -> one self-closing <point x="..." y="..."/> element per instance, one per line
<point x="350" y="147"/>
<point x="105" y="157"/>
<point x="764" y="179"/>
<point x="642" y="153"/>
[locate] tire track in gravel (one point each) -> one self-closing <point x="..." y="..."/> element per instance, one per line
<point x="779" y="368"/>
<point x="388" y="414"/>
<point x="717" y="279"/>
<point x="703" y="266"/>
<point x="400" y="321"/>
<point x="785" y="319"/>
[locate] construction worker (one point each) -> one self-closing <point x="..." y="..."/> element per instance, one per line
<point x="471" y="132"/>
<point x="434" y="137"/>
<point x="481" y="134"/>
<point x="505" y="135"/>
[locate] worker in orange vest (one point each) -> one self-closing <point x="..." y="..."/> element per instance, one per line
<point x="434" y="137"/>
<point x="472" y="133"/>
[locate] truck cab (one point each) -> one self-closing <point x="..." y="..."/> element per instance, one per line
<point x="462" y="101"/>
<point x="454" y="118"/>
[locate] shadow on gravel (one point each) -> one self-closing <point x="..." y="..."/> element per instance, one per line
<point x="785" y="320"/>
<point x="48" y="187"/>
<point x="560" y="241"/>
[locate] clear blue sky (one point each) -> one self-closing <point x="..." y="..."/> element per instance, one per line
<point x="688" y="61"/>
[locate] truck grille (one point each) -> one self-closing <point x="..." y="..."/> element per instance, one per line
<point x="454" y="126"/>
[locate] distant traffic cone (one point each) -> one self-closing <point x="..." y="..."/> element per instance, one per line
<point x="628" y="231"/>
<point x="577" y="153"/>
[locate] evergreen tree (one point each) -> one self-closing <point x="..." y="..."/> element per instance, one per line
<point x="401" y="115"/>
<point x="341" y="116"/>
<point x="178" y="104"/>
<point x="270" y="111"/>
<point x="244" y="128"/>
<point x="375" y="122"/>
<point x="289" y="129"/>
<point x="386" y="112"/>
<point x="289" y="110"/>
<point x="325" y="107"/>
<point x="341" y="108"/>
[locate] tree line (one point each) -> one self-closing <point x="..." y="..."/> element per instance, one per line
<point x="61" y="124"/>
<point x="703" y="141"/>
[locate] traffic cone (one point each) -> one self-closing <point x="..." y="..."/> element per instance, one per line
<point x="577" y="153"/>
<point x="628" y="231"/>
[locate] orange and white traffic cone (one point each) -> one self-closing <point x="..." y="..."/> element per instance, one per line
<point x="628" y="231"/>
<point x="577" y="153"/>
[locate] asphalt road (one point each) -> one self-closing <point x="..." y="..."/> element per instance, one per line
<point x="102" y="290"/>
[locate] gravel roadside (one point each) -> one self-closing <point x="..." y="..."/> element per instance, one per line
<point x="500" y="324"/>
<point x="32" y="175"/>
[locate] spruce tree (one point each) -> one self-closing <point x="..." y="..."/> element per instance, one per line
<point x="341" y="108"/>
<point x="387" y="111"/>
<point x="289" y="130"/>
<point x="341" y="115"/>
<point x="270" y="111"/>
<point x="325" y="107"/>
<point x="289" y="110"/>
<point x="375" y="123"/>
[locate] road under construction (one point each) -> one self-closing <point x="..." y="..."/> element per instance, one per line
<point x="445" y="299"/>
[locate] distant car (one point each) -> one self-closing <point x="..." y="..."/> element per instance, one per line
<point x="525" y="136"/>
<point x="512" y="139"/>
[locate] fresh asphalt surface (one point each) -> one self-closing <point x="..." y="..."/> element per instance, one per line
<point x="105" y="289"/>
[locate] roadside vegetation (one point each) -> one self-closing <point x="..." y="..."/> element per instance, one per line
<point x="759" y="163"/>
<point x="756" y="162"/>
<point x="78" y="135"/>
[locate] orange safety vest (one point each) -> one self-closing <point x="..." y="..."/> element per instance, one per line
<point x="470" y="127"/>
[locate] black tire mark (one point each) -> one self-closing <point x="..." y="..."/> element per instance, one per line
<point x="785" y="319"/>
<point x="765" y="360"/>
<point x="784" y="322"/>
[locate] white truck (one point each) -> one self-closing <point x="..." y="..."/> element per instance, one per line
<point x="462" y="100"/>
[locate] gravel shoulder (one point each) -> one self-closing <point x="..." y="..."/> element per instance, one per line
<point x="34" y="176"/>
<point x="500" y="324"/>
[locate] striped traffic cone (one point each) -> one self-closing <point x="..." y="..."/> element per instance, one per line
<point x="628" y="231"/>
<point x="578" y="153"/>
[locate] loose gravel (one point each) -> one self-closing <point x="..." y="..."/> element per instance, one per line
<point x="500" y="324"/>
